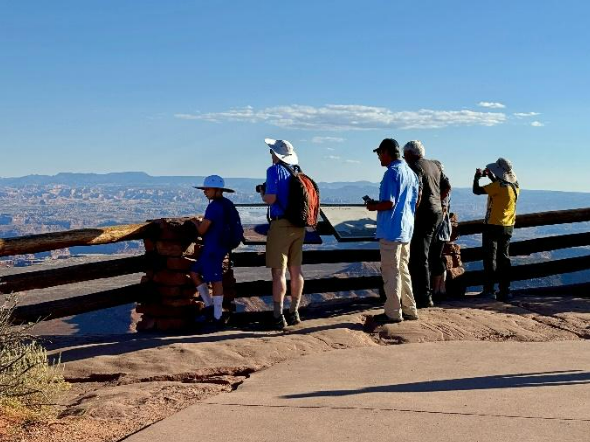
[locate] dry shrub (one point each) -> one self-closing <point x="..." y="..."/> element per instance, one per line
<point x="28" y="382"/>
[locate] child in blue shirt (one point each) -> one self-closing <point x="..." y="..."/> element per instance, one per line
<point x="208" y="268"/>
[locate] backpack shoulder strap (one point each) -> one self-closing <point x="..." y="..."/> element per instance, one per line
<point x="293" y="173"/>
<point x="514" y="187"/>
<point x="293" y="170"/>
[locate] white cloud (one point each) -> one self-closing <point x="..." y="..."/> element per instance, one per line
<point x="341" y="160"/>
<point x="526" y="114"/>
<point x="351" y="117"/>
<point x="491" y="105"/>
<point x="330" y="149"/>
<point x="322" y="140"/>
<point x="537" y="124"/>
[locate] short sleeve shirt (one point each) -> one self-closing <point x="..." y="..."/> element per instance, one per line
<point x="501" y="210"/>
<point x="400" y="186"/>
<point x="212" y="238"/>
<point x="277" y="183"/>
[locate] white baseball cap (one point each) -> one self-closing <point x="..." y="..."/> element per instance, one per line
<point x="283" y="150"/>
<point x="214" y="182"/>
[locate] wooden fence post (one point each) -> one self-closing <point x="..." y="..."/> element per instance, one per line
<point x="170" y="300"/>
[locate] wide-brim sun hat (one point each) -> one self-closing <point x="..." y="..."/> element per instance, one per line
<point x="214" y="182"/>
<point x="502" y="169"/>
<point x="283" y="150"/>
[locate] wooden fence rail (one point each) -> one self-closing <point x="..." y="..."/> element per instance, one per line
<point x="531" y="271"/>
<point x="83" y="237"/>
<point x="517" y="248"/>
<point x="106" y="235"/>
<point x="536" y="245"/>
<point x="335" y="284"/>
<point x="532" y="220"/>
<point x="71" y="274"/>
<point x="124" y="266"/>
<point x="110" y="298"/>
<point x="61" y="308"/>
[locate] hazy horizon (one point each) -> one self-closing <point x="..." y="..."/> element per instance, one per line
<point x="188" y="177"/>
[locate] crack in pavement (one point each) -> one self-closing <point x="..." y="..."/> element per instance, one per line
<point x="400" y="410"/>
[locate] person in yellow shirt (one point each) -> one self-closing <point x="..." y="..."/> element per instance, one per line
<point x="502" y="195"/>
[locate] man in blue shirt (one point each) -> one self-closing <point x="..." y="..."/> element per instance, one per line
<point x="284" y="243"/>
<point x="398" y="195"/>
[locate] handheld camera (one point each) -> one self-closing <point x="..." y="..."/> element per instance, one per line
<point x="261" y="188"/>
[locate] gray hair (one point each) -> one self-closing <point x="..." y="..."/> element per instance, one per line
<point x="415" y="147"/>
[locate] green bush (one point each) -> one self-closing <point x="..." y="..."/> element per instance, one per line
<point x="27" y="379"/>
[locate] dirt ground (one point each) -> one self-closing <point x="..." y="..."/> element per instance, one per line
<point x="123" y="383"/>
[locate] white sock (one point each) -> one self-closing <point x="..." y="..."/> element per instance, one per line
<point x="204" y="293"/>
<point x="217" y="306"/>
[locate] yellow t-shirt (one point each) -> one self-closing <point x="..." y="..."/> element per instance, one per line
<point x="501" y="204"/>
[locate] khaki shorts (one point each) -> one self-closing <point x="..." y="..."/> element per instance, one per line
<point x="284" y="245"/>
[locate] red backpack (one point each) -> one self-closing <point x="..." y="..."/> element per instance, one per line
<point x="304" y="199"/>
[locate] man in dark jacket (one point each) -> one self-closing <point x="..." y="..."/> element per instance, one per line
<point x="434" y="187"/>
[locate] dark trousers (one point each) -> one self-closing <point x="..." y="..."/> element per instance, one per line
<point x="435" y="258"/>
<point x="420" y="250"/>
<point x="496" y="258"/>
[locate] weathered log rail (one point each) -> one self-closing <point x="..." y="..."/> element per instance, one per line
<point x="61" y="308"/>
<point x="82" y="237"/>
<point x="124" y="266"/>
<point x="72" y="274"/>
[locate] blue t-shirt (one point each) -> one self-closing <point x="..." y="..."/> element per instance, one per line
<point x="212" y="238"/>
<point x="400" y="186"/>
<point x="277" y="183"/>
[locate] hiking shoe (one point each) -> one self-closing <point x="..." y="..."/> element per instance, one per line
<point x="384" y="319"/>
<point x="409" y="317"/>
<point x="278" y="323"/>
<point x="425" y="302"/>
<point x="205" y="315"/>
<point x="293" y="318"/>
<point x="218" y="324"/>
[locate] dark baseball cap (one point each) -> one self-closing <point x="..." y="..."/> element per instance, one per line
<point x="391" y="145"/>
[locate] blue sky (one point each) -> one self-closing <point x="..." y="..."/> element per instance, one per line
<point x="193" y="88"/>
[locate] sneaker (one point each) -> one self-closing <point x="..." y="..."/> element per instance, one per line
<point x="218" y="324"/>
<point x="278" y="323"/>
<point x="425" y="302"/>
<point x="205" y="315"/>
<point x="409" y="317"/>
<point x="293" y="318"/>
<point x="384" y="319"/>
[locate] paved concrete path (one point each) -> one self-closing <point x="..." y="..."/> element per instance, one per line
<point x="448" y="391"/>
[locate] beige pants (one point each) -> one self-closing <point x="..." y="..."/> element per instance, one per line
<point x="396" y="279"/>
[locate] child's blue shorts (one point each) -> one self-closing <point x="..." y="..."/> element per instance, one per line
<point x="210" y="265"/>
